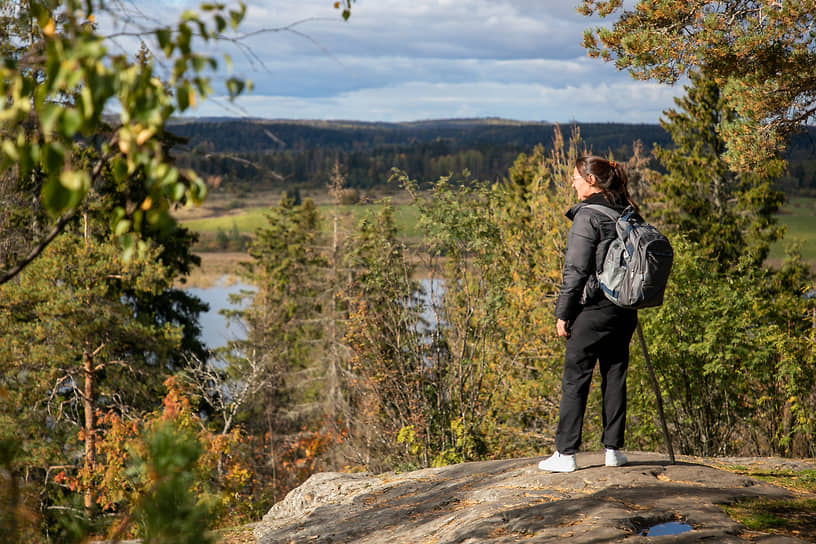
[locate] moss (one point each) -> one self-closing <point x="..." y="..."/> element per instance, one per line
<point x="797" y="480"/>
<point x="794" y="517"/>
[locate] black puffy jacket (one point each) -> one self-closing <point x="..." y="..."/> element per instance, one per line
<point x="589" y="237"/>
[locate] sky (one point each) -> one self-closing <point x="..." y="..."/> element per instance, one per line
<point x="399" y="60"/>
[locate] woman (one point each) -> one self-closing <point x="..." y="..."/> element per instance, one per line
<point x="594" y="328"/>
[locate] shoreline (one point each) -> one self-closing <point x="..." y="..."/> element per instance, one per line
<point x="216" y="267"/>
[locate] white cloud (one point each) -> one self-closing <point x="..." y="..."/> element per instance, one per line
<point x="628" y="102"/>
<point x="396" y="60"/>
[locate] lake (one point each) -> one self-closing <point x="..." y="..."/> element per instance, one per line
<point x="215" y="331"/>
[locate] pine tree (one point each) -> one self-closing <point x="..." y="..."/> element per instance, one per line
<point x="72" y="348"/>
<point x="731" y="215"/>
<point x="275" y="377"/>
<point x="759" y="52"/>
<point x="85" y="332"/>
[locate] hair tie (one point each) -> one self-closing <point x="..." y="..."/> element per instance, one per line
<point x="613" y="164"/>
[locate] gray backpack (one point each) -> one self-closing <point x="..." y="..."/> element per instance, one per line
<point x="637" y="263"/>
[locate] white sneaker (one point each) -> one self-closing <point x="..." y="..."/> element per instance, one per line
<point x="558" y="462"/>
<point x="614" y="458"/>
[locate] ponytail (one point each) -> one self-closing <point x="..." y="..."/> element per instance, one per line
<point x="611" y="178"/>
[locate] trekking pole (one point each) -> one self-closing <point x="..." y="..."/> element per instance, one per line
<point x="656" y="386"/>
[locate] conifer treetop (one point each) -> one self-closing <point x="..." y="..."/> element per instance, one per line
<point x="760" y="52"/>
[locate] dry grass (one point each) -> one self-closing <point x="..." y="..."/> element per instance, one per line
<point x="236" y="535"/>
<point x="792" y="517"/>
<point x="214" y="267"/>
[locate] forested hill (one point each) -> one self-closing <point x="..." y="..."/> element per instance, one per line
<point x="259" y="153"/>
<point x="250" y="135"/>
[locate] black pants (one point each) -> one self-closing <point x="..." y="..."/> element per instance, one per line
<point x="598" y="334"/>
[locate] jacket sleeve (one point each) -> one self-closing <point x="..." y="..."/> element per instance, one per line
<point x="579" y="265"/>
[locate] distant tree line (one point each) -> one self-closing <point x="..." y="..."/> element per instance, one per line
<point x="362" y="169"/>
<point x="247" y="135"/>
<point x="247" y="154"/>
<point x="251" y="154"/>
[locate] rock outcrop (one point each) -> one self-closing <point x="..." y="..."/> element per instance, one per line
<point x="512" y="501"/>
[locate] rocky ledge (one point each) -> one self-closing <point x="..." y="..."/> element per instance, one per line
<point x="512" y="501"/>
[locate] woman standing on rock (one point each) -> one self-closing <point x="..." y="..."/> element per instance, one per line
<point x="595" y="329"/>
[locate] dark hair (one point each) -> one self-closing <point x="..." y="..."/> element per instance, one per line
<point x="610" y="178"/>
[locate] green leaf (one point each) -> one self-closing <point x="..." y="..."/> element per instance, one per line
<point x="121" y="227"/>
<point x="71" y="122"/>
<point x="170" y="177"/>
<point x="220" y="23"/>
<point x="203" y="86"/>
<point x="40" y="96"/>
<point x="183" y="96"/>
<point x="235" y="87"/>
<point x="198" y="62"/>
<point x="184" y="39"/>
<point x="29" y="153"/>
<point x="164" y="38"/>
<point x="10" y="150"/>
<point x="137" y="220"/>
<point x="117" y="215"/>
<point x="128" y="244"/>
<point x="54" y="158"/>
<point x="49" y="116"/>
<point x="197" y="189"/>
<point x="40" y="13"/>
<point x="56" y="197"/>
<point x="160" y="219"/>
<point x="237" y="16"/>
<point x="178" y="191"/>
<point x="119" y="170"/>
<point x="75" y="180"/>
<point x="87" y="102"/>
<point x="202" y="30"/>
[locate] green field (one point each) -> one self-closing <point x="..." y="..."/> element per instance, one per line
<point x="248" y="220"/>
<point x="799" y="218"/>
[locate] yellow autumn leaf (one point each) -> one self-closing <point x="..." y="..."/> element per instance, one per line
<point x="50" y="28"/>
<point x="144" y="135"/>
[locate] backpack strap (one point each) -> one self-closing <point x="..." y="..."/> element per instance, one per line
<point x="606" y="210"/>
<point x="614" y="215"/>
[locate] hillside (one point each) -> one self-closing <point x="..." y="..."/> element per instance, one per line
<point x="252" y="154"/>
<point x="252" y="135"/>
<point x="248" y="154"/>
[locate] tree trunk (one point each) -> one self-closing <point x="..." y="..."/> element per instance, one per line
<point x="90" y="426"/>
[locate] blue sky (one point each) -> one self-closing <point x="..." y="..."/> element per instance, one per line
<point x="396" y="60"/>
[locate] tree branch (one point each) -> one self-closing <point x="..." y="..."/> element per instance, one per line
<point x="59" y="226"/>
<point x="39" y="248"/>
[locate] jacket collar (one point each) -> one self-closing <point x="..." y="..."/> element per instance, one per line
<point x="597" y="198"/>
